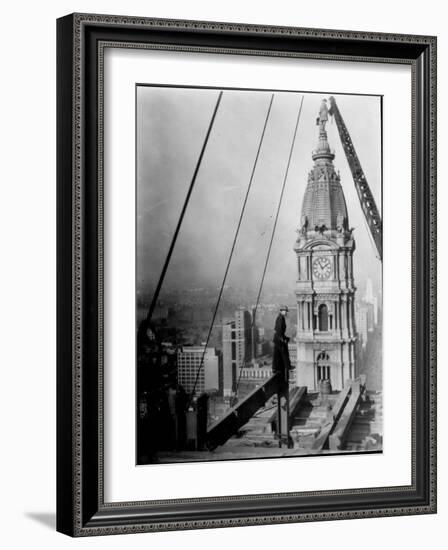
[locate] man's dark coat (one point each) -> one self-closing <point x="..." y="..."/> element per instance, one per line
<point x="280" y="361"/>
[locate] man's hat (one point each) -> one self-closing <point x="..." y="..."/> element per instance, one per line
<point x="284" y="308"/>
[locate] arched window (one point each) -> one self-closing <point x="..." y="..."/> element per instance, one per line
<point x="323" y="318"/>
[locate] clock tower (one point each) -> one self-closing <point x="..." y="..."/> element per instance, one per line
<point x="325" y="290"/>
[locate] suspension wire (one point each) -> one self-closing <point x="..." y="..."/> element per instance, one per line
<point x="274" y="227"/>
<point x="233" y="247"/>
<point x="182" y="214"/>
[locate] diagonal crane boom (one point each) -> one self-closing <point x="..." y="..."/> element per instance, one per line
<point x="365" y="196"/>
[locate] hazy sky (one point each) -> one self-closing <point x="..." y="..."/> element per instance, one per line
<point x="171" y="128"/>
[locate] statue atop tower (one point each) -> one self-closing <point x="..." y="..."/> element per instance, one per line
<point x="323" y="116"/>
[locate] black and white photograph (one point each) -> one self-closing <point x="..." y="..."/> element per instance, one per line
<point x="258" y="274"/>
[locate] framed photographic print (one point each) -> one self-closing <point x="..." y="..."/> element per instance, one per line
<point x="246" y="274"/>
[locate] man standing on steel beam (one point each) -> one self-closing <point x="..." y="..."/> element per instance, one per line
<point x="280" y="361"/>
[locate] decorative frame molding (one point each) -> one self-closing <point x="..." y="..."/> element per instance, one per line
<point x="81" y="39"/>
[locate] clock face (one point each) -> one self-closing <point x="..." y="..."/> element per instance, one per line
<point x="322" y="268"/>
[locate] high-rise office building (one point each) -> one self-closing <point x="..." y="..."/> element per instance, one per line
<point x="238" y="347"/>
<point x="193" y="362"/>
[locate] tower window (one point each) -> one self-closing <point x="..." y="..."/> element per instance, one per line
<point x="323" y="318"/>
<point x="323" y="373"/>
<point x="323" y="368"/>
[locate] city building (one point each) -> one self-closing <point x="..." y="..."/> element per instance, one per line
<point x="261" y="345"/>
<point x="238" y="348"/>
<point x="365" y="320"/>
<point x="256" y="374"/>
<point x="370" y="298"/>
<point x="200" y="362"/>
<point x="325" y="290"/>
<point x="292" y="349"/>
<point x="292" y="375"/>
<point x="361" y="317"/>
<point x="366" y="314"/>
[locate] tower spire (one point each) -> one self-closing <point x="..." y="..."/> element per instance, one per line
<point x="323" y="206"/>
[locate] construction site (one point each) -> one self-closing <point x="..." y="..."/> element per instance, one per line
<point x="320" y="402"/>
